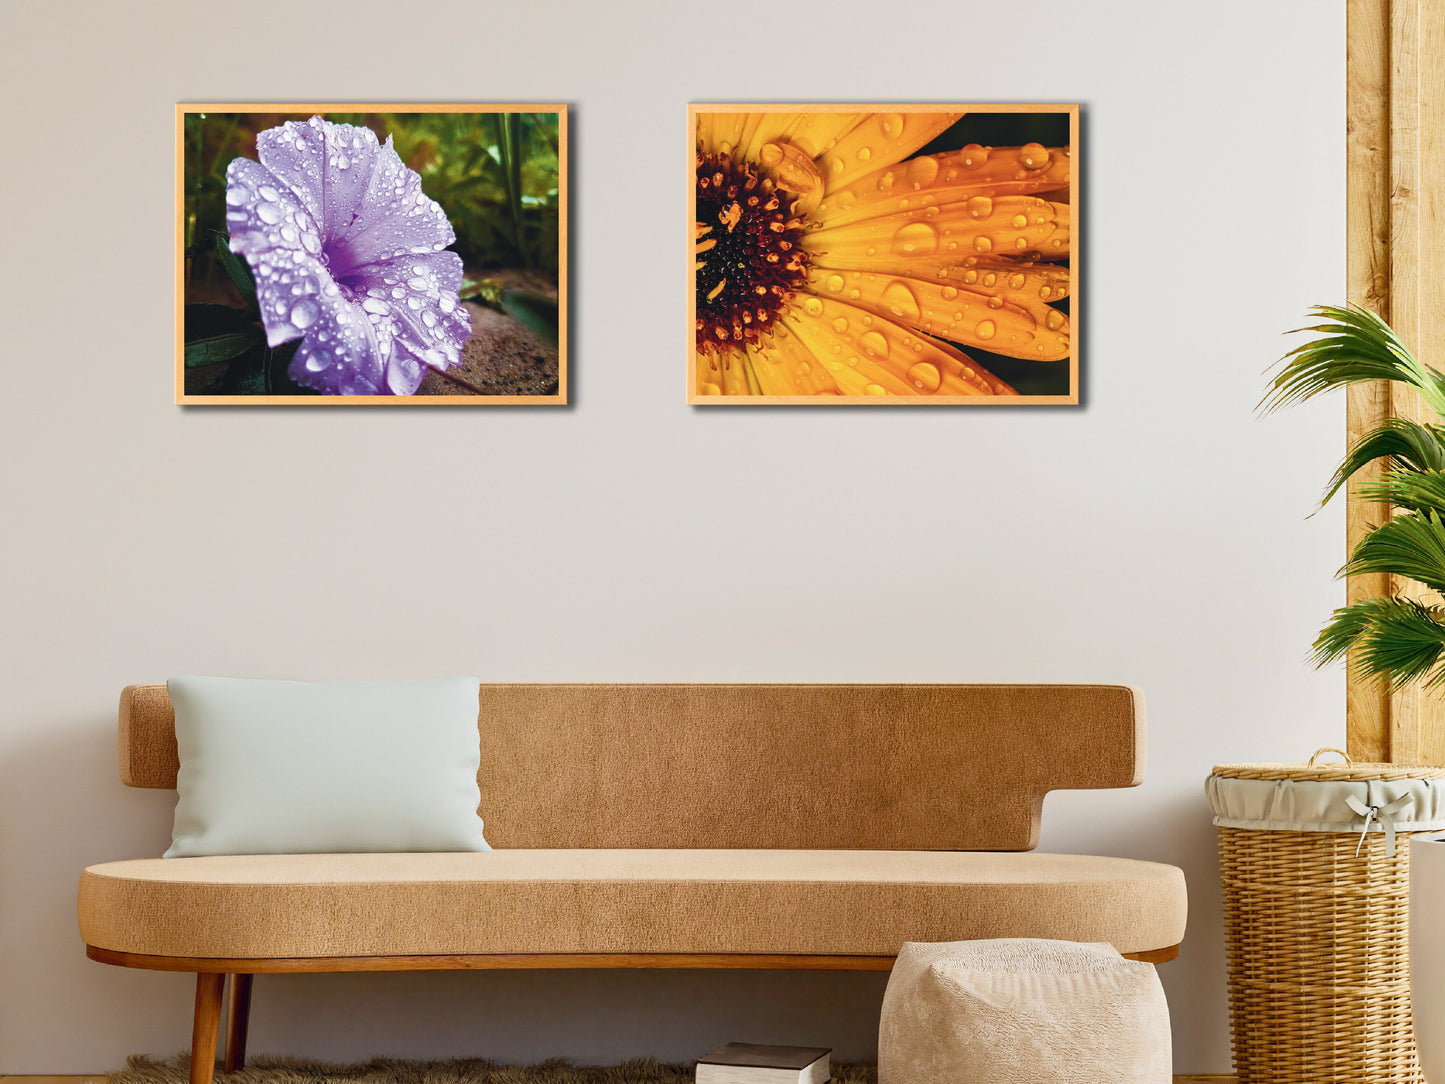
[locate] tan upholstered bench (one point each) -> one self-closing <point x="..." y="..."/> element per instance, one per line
<point x="746" y="826"/>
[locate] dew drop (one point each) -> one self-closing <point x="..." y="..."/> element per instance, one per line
<point x="289" y="234"/>
<point x="892" y="125"/>
<point x="874" y="389"/>
<point x="709" y="389"/>
<point x="970" y="277"/>
<point x="972" y="156"/>
<point x="1016" y="281"/>
<point x="812" y="306"/>
<point x="834" y="283"/>
<point x="900" y="300"/>
<point x="268" y="213"/>
<point x="915" y="239"/>
<point x="986" y="329"/>
<point x="416" y="282"/>
<point x="1020" y="221"/>
<point x="922" y="171"/>
<point x="979" y="207"/>
<point x="864" y="153"/>
<point x="304" y="313"/>
<point x="874" y="344"/>
<point x="428" y="319"/>
<point x="376" y="306"/>
<point x="447" y="305"/>
<point x="925" y="377"/>
<point x="268" y="193"/>
<point x="846" y="200"/>
<point x="236" y="195"/>
<point x="1034" y="156"/>
<point x="982" y="244"/>
<point x="317" y="360"/>
<point x="885" y="182"/>
<point x="840" y="325"/>
<point x="948" y="293"/>
<point x="995" y="302"/>
<point x="311" y="243"/>
<point x="1054" y="320"/>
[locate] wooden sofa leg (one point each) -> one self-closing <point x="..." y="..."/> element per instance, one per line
<point x="209" y="987"/>
<point x="238" y="1018"/>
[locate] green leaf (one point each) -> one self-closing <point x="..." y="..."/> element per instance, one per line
<point x="1356" y="346"/>
<point x="205" y="321"/>
<point x="1403" y="444"/>
<point x="221" y="347"/>
<point x="1411" y="545"/>
<point x="1414" y="490"/>
<point x="239" y="271"/>
<point x="535" y="312"/>
<point x="1394" y="640"/>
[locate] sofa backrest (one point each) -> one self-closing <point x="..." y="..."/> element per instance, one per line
<point x="887" y="767"/>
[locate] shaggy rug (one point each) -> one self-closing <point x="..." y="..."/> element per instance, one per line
<point x="142" y="1070"/>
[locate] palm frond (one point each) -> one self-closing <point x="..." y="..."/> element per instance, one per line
<point x="1355" y="346"/>
<point x="1403" y="444"/>
<point x="1413" y="490"/>
<point x="1410" y="545"/>
<point x="1395" y="640"/>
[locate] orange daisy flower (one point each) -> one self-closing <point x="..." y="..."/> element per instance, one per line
<point x="833" y="257"/>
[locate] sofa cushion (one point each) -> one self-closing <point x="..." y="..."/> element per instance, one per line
<point x="863" y="903"/>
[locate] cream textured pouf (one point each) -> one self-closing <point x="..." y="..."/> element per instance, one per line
<point x="1022" y="1009"/>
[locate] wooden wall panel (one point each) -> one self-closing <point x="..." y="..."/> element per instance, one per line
<point x="1396" y="237"/>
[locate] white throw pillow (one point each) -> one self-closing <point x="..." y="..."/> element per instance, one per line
<point x="288" y="767"/>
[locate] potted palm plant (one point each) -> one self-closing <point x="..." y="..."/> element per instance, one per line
<point x="1394" y="638"/>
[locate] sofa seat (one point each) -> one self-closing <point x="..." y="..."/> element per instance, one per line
<point x="799" y="902"/>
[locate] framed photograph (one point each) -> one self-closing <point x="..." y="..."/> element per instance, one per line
<point x="371" y="254"/>
<point x="883" y="254"/>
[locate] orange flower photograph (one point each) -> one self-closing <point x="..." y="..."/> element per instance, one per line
<point x="899" y="254"/>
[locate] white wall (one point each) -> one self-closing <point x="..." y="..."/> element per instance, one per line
<point x="1155" y="535"/>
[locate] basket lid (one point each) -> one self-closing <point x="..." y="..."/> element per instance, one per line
<point x="1313" y="770"/>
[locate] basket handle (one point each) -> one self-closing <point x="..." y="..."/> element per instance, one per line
<point x="1349" y="760"/>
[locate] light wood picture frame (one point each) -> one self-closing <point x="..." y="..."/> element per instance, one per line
<point x="883" y="254"/>
<point x="379" y="254"/>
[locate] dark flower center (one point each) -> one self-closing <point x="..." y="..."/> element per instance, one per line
<point x="748" y="253"/>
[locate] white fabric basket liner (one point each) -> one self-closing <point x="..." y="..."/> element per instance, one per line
<point x="1308" y="805"/>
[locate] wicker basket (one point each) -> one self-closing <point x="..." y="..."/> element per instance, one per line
<point x="1317" y="936"/>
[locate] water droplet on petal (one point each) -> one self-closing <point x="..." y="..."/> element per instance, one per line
<point x="1054" y="320"/>
<point x="922" y="171"/>
<point x="317" y="360"/>
<point x="900" y="300"/>
<point x="915" y="239"/>
<point x="885" y="182"/>
<point x="840" y="325"/>
<point x="979" y="207"/>
<point x="834" y="283"/>
<point x="892" y="125"/>
<point x="1020" y="221"/>
<point x="268" y="213"/>
<point x="447" y="305"/>
<point x="948" y="293"/>
<point x="812" y="306"/>
<point x="874" y="344"/>
<point x="925" y="377"/>
<point x="376" y="306"/>
<point x="289" y="234"/>
<point x="236" y="195"/>
<point x="268" y="193"/>
<point x="973" y="156"/>
<point x="304" y="313"/>
<point x="982" y="244"/>
<point x="987" y="329"/>
<point x="1034" y="156"/>
<point x="875" y="389"/>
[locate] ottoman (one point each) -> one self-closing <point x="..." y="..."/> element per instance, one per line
<point x="1016" y="1009"/>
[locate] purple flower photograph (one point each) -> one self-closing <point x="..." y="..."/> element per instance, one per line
<point x="361" y="254"/>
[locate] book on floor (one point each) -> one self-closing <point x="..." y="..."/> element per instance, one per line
<point x="753" y="1063"/>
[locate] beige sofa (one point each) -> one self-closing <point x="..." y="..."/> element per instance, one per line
<point x="745" y="826"/>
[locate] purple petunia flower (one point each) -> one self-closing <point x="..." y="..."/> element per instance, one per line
<point x="348" y="256"/>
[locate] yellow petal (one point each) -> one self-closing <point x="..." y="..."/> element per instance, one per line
<point x="860" y="349"/>
<point x="784" y="366"/>
<point x="998" y="311"/>
<point x="941" y="179"/>
<point x="932" y="236"/>
<point x="878" y="140"/>
<point x="724" y="372"/>
<point x="811" y="133"/>
<point x="720" y="131"/>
